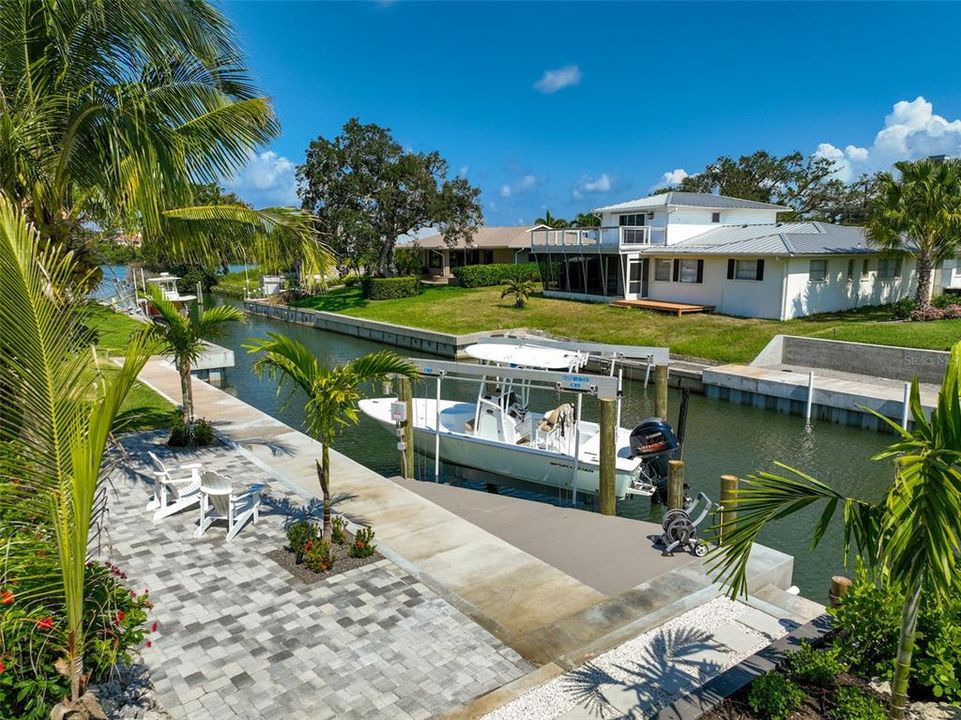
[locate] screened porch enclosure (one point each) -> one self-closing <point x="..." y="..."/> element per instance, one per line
<point x="602" y="275"/>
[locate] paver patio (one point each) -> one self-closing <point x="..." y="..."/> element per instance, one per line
<point x="240" y="637"/>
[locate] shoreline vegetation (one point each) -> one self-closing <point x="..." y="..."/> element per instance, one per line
<point x="718" y="338"/>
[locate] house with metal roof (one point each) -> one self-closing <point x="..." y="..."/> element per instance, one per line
<point x="721" y="252"/>
<point x="490" y="244"/>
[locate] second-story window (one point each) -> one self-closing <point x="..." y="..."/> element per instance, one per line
<point x="633" y="220"/>
<point x="715" y="217"/>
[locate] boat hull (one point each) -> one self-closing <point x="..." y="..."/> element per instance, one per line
<point x="533" y="465"/>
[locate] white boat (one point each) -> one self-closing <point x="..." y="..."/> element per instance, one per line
<point x="499" y="433"/>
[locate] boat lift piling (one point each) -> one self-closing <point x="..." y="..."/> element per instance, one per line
<point x="660" y="391"/>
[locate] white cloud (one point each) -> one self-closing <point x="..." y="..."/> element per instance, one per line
<point x="587" y="185"/>
<point x="527" y="182"/>
<point x="671" y="177"/>
<point x="464" y="169"/>
<point x="912" y="130"/>
<point x="554" y="80"/>
<point x="268" y="180"/>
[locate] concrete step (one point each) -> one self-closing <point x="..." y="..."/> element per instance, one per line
<point x="798" y="607"/>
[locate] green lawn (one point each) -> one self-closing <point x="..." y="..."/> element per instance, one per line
<point x="715" y="337"/>
<point x="143" y="409"/>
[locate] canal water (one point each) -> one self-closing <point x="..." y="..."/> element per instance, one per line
<point x="721" y="438"/>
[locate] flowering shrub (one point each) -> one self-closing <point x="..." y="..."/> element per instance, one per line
<point x="317" y="556"/>
<point x="298" y="535"/>
<point x="32" y="665"/>
<point x="363" y="545"/>
<point x="338" y="529"/>
<point x="923" y="314"/>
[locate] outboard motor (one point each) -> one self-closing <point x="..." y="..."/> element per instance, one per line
<point x="655" y="442"/>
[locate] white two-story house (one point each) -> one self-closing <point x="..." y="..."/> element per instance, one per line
<point x="718" y="251"/>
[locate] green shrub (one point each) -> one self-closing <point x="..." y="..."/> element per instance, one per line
<point x="351" y="280"/>
<point x="496" y="273"/>
<point x="338" y="529"/>
<point x="32" y="626"/>
<point x="870" y="616"/>
<point x="298" y="535"/>
<point x="317" y="555"/>
<point x="852" y="703"/>
<point x="774" y="696"/>
<point x="197" y="433"/>
<point x="391" y="288"/>
<point x="815" y="667"/>
<point x="903" y="308"/>
<point x="363" y="545"/>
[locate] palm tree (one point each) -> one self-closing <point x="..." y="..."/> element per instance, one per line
<point x="117" y="110"/>
<point x="586" y="220"/>
<point x="910" y="536"/>
<point x="918" y="214"/>
<point x="332" y="392"/>
<point x="551" y="221"/>
<point x="520" y="289"/>
<point x="51" y="475"/>
<point x="182" y="335"/>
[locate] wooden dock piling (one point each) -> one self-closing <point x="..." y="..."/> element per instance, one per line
<point x="660" y="391"/>
<point x="839" y="588"/>
<point x="608" y="452"/>
<point x="675" y="484"/>
<point x="406" y="396"/>
<point x="729" y="485"/>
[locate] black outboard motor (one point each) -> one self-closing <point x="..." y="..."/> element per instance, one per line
<point x="655" y="442"/>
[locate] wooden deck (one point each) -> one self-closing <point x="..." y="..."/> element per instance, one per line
<point x="664" y="306"/>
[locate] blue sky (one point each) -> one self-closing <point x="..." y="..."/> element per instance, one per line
<point x="570" y="106"/>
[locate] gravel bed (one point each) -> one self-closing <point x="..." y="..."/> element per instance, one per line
<point x="129" y="694"/>
<point x="654" y="669"/>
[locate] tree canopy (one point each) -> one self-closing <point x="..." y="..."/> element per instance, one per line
<point x="809" y="186"/>
<point x="366" y="191"/>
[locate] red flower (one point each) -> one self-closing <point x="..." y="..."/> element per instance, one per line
<point x="149" y="643"/>
<point x="119" y="617"/>
<point x="6" y="598"/>
<point x="133" y="594"/>
<point x="45" y="624"/>
<point x="2" y="666"/>
<point x="153" y="628"/>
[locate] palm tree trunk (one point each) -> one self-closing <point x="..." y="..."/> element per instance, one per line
<point x="323" y="474"/>
<point x="902" y="669"/>
<point x="186" y="390"/>
<point x="922" y="296"/>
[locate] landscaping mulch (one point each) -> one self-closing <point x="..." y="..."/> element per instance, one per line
<point x="342" y="562"/>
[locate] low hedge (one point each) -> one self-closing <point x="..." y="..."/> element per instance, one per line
<point x="390" y="288"/>
<point x="496" y="273"/>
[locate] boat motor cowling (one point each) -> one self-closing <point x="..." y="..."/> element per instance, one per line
<point x="654" y="441"/>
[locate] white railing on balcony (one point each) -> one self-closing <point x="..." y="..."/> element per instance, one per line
<point x="617" y="236"/>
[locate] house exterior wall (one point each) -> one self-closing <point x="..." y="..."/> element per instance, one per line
<point x="837" y="291"/>
<point x="684" y="223"/>
<point x="748" y="298"/>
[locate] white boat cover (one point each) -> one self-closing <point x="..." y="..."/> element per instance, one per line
<point x="527" y="356"/>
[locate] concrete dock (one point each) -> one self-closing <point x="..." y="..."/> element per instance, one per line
<point x="557" y="585"/>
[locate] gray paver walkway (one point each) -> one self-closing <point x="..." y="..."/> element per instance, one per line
<point x="239" y="637"/>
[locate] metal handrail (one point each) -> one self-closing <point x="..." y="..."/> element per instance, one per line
<point x="609" y="236"/>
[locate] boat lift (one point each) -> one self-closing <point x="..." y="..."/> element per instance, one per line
<point x="603" y="387"/>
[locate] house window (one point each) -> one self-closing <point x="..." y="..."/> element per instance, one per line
<point x="745" y="269"/>
<point x="865" y="268"/>
<point x="690" y="271"/>
<point x="636" y="220"/>
<point x="851" y="269"/>
<point x="818" y="271"/>
<point x="889" y="268"/>
<point x="662" y="270"/>
<point x="436" y="260"/>
<point x="715" y="217"/>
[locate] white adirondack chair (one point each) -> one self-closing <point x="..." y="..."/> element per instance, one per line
<point x="172" y="494"/>
<point x="220" y="501"/>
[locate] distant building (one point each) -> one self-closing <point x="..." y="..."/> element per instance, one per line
<point x="726" y="252"/>
<point x="490" y="244"/>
